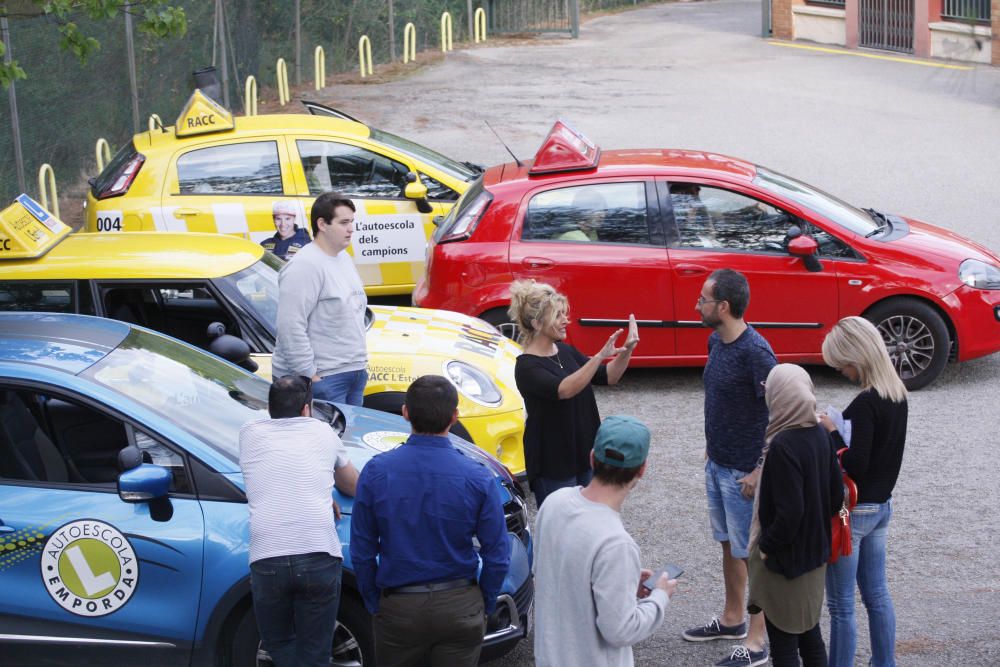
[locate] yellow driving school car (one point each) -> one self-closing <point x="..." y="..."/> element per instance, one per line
<point x="220" y="293"/>
<point x="213" y="172"/>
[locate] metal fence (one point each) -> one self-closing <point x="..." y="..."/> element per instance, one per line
<point x="886" y="24"/>
<point x="966" y="10"/>
<point x="63" y="107"/>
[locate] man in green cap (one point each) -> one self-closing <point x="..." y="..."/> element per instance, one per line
<point x="587" y="562"/>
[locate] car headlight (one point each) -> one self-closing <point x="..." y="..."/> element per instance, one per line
<point x="978" y="274"/>
<point x="473" y="383"/>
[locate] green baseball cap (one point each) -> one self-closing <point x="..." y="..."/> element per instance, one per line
<point x="622" y="442"/>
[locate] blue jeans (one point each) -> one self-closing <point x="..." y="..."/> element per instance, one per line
<point x="866" y="565"/>
<point x="543" y="486"/>
<point x="295" y="600"/>
<point x="729" y="512"/>
<point x="346" y="387"/>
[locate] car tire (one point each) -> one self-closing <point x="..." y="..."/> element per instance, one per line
<point x="353" y="640"/>
<point x="499" y="318"/>
<point x="916" y="338"/>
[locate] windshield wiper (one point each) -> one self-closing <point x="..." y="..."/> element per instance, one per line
<point x="880" y="218"/>
<point x="474" y="167"/>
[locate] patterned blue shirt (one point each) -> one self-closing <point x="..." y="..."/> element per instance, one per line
<point x="735" y="411"/>
<point x="416" y="510"/>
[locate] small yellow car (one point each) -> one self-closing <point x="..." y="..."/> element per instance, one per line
<point x="211" y="172"/>
<point x="194" y="286"/>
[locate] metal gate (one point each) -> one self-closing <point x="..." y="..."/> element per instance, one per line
<point x="886" y="24"/>
<point x="517" y="16"/>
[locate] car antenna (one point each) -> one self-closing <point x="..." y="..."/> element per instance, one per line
<point x="519" y="163"/>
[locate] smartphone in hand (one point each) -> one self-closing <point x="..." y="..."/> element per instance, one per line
<point x="672" y="571"/>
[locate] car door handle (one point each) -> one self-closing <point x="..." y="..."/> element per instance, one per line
<point x="187" y="211"/>
<point x="536" y="262"/>
<point x="691" y="269"/>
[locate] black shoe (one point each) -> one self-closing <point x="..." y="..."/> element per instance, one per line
<point x="715" y="630"/>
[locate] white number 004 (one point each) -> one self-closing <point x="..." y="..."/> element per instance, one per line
<point x="109" y="221"/>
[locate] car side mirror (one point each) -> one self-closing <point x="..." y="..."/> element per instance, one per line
<point x="801" y="245"/>
<point x="144" y="483"/>
<point x="229" y="347"/>
<point x="417" y="192"/>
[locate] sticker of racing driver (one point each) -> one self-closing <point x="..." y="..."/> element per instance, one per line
<point x="290" y="234"/>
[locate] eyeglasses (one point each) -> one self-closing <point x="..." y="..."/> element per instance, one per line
<point x="702" y="301"/>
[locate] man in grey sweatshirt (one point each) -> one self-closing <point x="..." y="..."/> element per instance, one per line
<point x="321" y="308"/>
<point x="590" y="604"/>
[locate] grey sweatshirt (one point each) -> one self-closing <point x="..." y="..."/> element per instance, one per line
<point x="586" y="577"/>
<point x="321" y="315"/>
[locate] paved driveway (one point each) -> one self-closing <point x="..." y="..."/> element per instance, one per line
<point x="902" y="137"/>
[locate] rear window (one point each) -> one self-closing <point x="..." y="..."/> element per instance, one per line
<point x="106" y="178"/>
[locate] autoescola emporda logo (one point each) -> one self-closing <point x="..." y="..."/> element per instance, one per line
<point x="89" y="568"/>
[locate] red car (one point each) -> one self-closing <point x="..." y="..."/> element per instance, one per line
<point x="639" y="231"/>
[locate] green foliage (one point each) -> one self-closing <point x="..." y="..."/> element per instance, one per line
<point x="156" y="18"/>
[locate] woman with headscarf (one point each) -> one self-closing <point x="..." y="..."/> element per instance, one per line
<point x="878" y="416"/>
<point x="800" y="490"/>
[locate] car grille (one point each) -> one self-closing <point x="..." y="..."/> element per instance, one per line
<point x="523" y="595"/>
<point x="516" y="515"/>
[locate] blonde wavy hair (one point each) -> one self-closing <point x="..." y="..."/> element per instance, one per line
<point x="854" y="341"/>
<point x="532" y="302"/>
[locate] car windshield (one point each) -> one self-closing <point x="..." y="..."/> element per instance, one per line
<point x="256" y="287"/>
<point x="414" y="150"/>
<point x="208" y="397"/>
<point x="828" y="206"/>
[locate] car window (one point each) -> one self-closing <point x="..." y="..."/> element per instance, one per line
<point x="50" y="439"/>
<point x="182" y="310"/>
<point x="350" y="170"/>
<point x="257" y="286"/>
<point x="604" y="213"/>
<point x="49" y="297"/>
<point x="708" y="217"/>
<point x="247" y="168"/>
<point x="436" y="190"/>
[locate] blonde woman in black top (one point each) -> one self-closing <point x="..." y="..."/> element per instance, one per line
<point x="555" y="380"/>
<point x="878" y="435"/>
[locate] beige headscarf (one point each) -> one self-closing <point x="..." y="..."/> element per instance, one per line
<point x="791" y="403"/>
<point x="791" y="400"/>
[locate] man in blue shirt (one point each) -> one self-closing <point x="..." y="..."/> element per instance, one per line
<point x="416" y="512"/>
<point x="739" y="360"/>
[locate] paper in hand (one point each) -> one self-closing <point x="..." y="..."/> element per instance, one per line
<point x="843" y="425"/>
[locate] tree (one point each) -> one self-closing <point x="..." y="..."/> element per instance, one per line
<point x="154" y="17"/>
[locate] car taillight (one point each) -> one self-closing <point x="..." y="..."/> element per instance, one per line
<point x="123" y="179"/>
<point x="466" y="222"/>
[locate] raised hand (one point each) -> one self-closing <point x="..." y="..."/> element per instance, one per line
<point x="609" y="350"/>
<point x="632" y="339"/>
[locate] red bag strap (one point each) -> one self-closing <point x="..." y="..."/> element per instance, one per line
<point x="852" y="489"/>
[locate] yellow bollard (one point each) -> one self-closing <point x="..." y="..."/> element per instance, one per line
<point x="365" y="48"/>
<point x="250" y="96"/>
<point x="319" y="67"/>
<point x="282" y="72"/>
<point x="154" y="122"/>
<point x="479" y="21"/>
<point x="102" y="151"/>
<point x="47" y="168"/>
<point x="409" y="43"/>
<point x="446" y="44"/>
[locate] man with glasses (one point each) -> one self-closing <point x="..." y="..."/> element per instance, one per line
<point x="739" y="360"/>
<point x="290" y="464"/>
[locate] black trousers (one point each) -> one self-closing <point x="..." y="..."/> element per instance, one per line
<point x="441" y="629"/>
<point x="786" y="647"/>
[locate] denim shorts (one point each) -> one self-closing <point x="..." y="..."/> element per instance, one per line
<point x="728" y="511"/>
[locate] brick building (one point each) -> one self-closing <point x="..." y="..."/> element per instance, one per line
<point x="964" y="30"/>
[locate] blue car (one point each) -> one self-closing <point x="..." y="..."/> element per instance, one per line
<point x="123" y="520"/>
